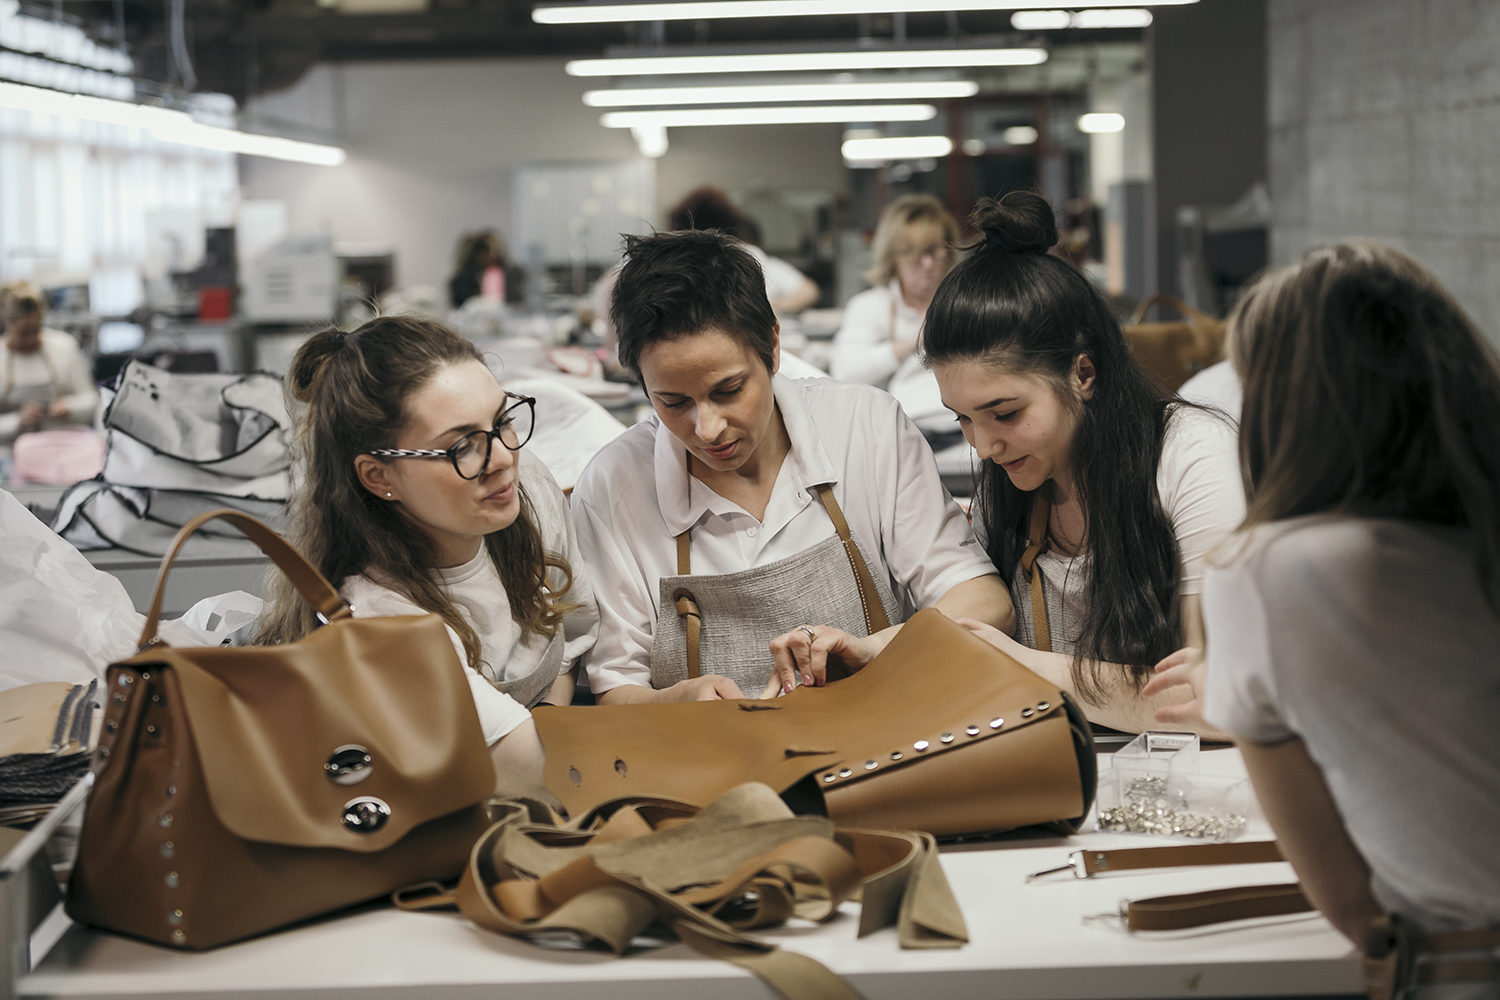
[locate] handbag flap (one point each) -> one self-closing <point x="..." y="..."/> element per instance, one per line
<point x="266" y="721"/>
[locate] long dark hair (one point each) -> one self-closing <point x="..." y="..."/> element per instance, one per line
<point x="355" y="387"/>
<point x="1368" y="391"/>
<point x="1013" y="305"/>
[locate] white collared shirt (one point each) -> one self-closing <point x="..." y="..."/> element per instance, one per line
<point x="636" y="496"/>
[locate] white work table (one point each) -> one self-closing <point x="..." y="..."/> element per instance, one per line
<point x="1027" y="942"/>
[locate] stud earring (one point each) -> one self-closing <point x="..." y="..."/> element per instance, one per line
<point x="389" y="494"/>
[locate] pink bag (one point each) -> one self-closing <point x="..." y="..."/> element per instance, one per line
<point x="59" y="457"/>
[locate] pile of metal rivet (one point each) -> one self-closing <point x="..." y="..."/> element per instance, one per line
<point x="1147" y="809"/>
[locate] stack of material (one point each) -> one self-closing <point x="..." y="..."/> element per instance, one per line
<point x="179" y="445"/>
<point x="45" y="732"/>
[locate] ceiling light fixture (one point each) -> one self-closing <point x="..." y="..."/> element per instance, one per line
<point x="1020" y="135"/>
<point x="1096" y="122"/>
<point x="787" y="115"/>
<point x="815" y="62"/>
<point x="165" y="124"/>
<point x="899" y="147"/>
<point x="770" y="93"/>
<point x="702" y="10"/>
<point x="1054" y="20"/>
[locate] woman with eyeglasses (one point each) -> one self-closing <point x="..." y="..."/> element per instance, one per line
<point x="877" y="343"/>
<point x="417" y="496"/>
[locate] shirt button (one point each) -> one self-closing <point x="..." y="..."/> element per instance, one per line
<point x="752" y="532"/>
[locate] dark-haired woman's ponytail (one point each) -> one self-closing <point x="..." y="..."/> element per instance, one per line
<point x="1019" y="222"/>
<point x="311" y="361"/>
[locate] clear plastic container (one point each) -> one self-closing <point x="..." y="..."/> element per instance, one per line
<point x="1153" y="787"/>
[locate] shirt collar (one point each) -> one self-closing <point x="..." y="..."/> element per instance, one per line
<point x="807" y="464"/>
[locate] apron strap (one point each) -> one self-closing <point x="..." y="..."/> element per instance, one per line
<point x="687" y="608"/>
<point x="1036" y="544"/>
<point x="869" y="599"/>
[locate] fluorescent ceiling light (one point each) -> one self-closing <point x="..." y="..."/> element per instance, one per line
<point x="790" y="115"/>
<point x="84" y="107"/>
<point x="771" y="93"/>
<point x="251" y="144"/>
<point x="781" y="62"/>
<point x="701" y="10"/>
<point x="1101" y="121"/>
<point x="901" y="147"/>
<point x="165" y="124"/>
<point x="1053" y="20"/>
<point x="1019" y="135"/>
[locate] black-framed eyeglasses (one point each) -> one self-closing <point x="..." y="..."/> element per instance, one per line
<point x="470" y="454"/>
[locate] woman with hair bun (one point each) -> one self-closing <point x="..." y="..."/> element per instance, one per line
<point x="1099" y="493"/>
<point x="1354" y="619"/>
<point x="416" y="494"/>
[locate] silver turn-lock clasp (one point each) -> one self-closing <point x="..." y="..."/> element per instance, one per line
<point x="348" y="765"/>
<point x="365" y="815"/>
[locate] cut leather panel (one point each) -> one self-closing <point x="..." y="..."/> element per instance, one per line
<point x="934" y="678"/>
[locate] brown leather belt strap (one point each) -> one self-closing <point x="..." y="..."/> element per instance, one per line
<point x="1036" y="543"/>
<point x="1179" y="856"/>
<point x="1194" y="909"/>
<point x="869" y="598"/>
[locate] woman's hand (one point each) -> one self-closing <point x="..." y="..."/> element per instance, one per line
<point x="801" y="656"/>
<point x="1184" y="669"/>
<point x="709" y="687"/>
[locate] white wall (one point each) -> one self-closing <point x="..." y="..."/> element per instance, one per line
<point x="431" y="144"/>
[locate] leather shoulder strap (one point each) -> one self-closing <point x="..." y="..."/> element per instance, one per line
<point x="1036" y="543"/>
<point x="869" y="597"/>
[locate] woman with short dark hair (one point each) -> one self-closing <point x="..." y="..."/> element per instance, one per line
<point x="740" y="492"/>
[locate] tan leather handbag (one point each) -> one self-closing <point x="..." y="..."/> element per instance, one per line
<point x="942" y="732"/>
<point x="1175" y="350"/>
<point x="237" y="790"/>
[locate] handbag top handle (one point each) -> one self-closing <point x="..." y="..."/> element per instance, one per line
<point x="1197" y="315"/>
<point x="309" y="582"/>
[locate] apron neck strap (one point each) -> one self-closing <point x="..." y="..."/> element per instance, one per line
<point x="1036" y="544"/>
<point x="869" y="598"/>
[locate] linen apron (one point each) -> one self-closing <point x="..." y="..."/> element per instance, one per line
<point x="13" y="397"/>
<point x="738" y="614"/>
<point x="532" y="688"/>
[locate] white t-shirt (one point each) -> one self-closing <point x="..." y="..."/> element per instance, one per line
<point x="782" y="279"/>
<point x="635" y="497"/>
<point x="59" y="363"/>
<point x="862" y="347"/>
<point x="477" y="592"/>
<point x="1198" y="482"/>
<point x="1370" y="640"/>
<point x="1218" y="386"/>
